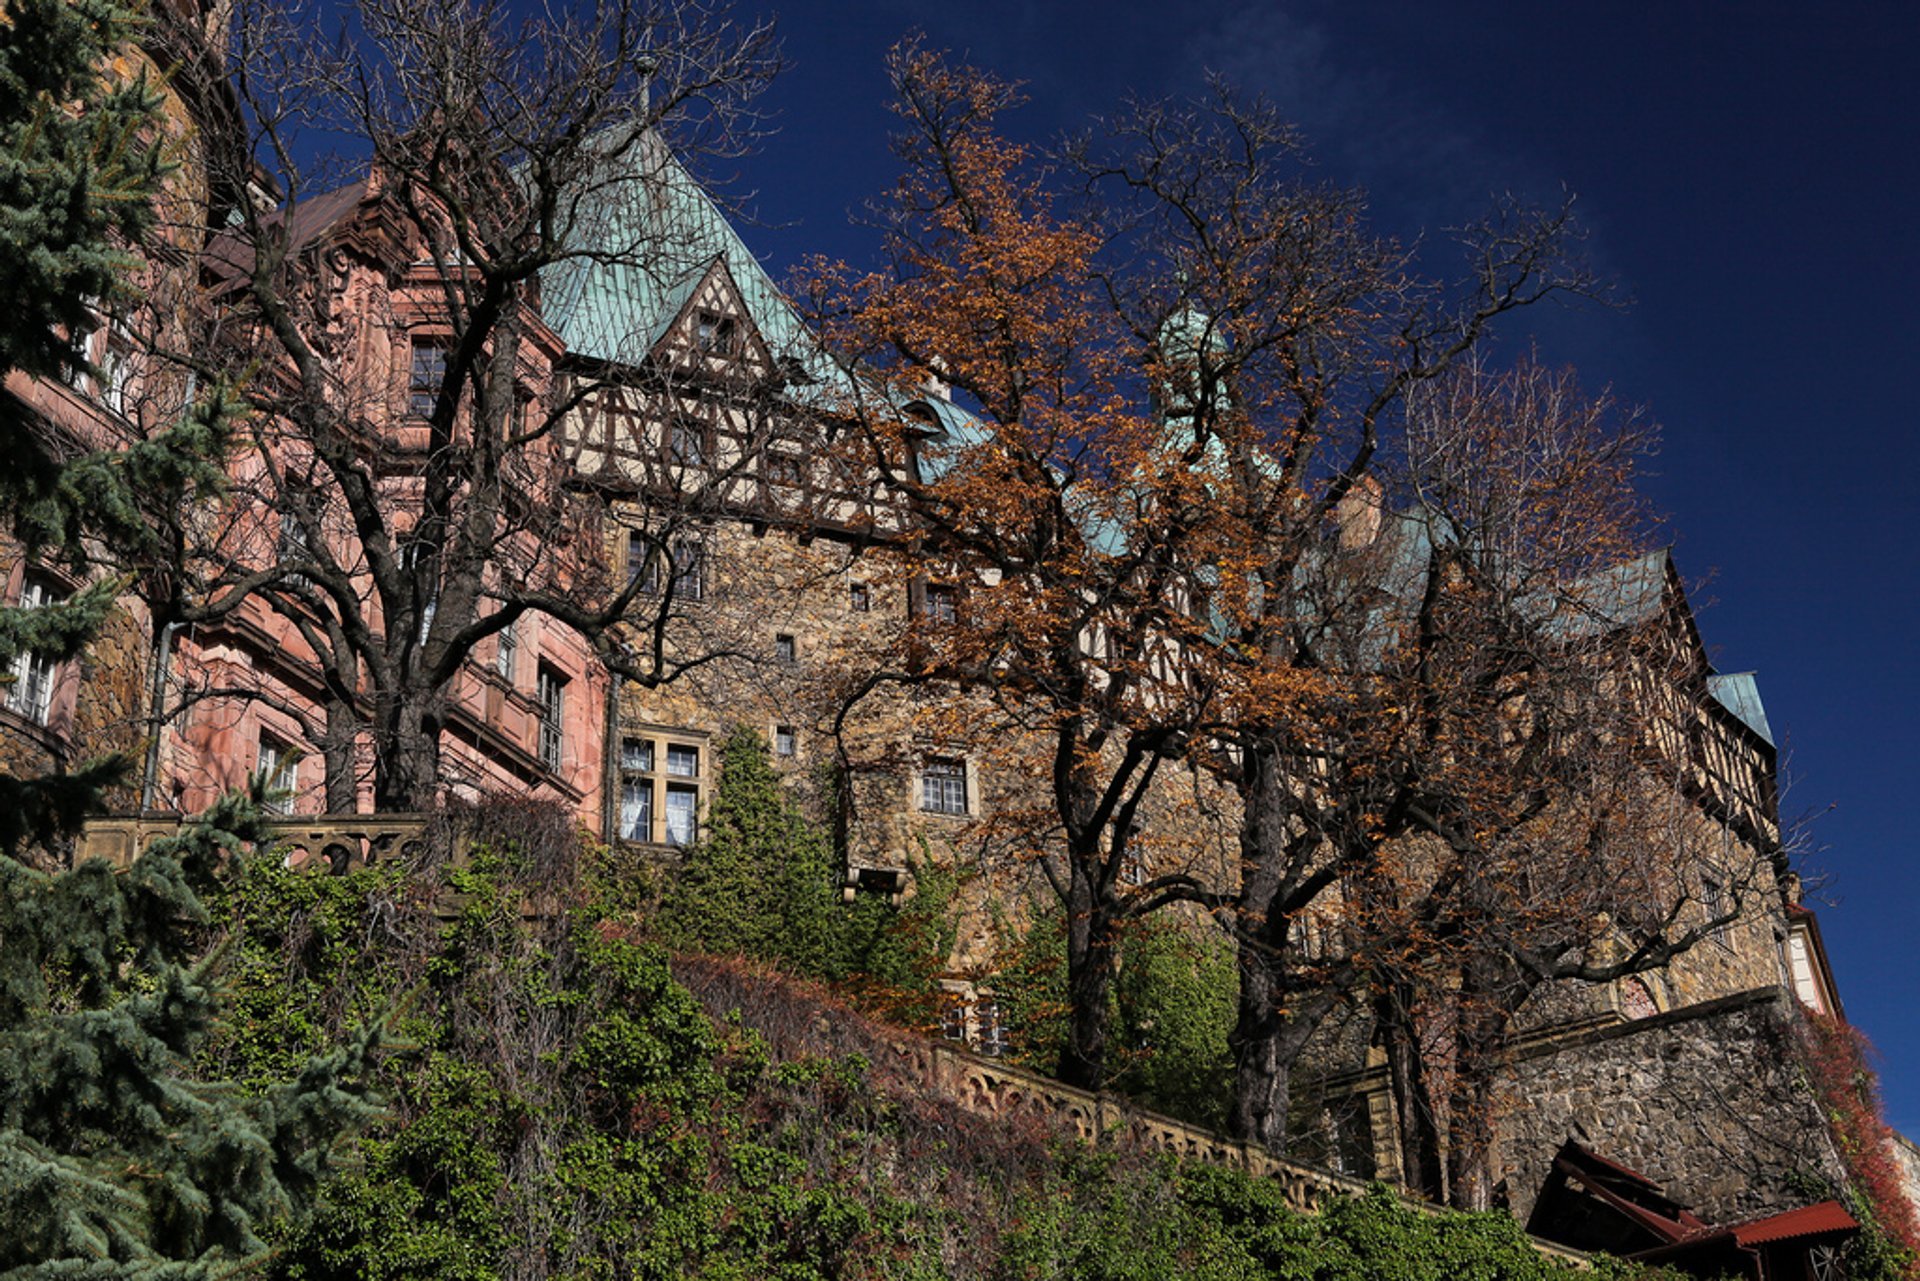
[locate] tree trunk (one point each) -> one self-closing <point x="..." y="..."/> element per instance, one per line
<point x="1090" y="965"/>
<point x="406" y="748"/>
<point x="1262" y="1073"/>
<point x="337" y="751"/>
<point x="1470" y="1135"/>
<point x="1419" y="1136"/>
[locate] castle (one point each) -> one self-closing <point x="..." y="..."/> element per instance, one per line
<point x="687" y="417"/>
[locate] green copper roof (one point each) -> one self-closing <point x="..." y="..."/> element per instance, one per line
<point x="647" y="233"/>
<point x="1739" y="693"/>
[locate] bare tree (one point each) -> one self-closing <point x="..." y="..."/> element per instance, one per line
<point x="1288" y="338"/>
<point x="1544" y="708"/>
<point x="405" y="319"/>
<point x="1045" y="531"/>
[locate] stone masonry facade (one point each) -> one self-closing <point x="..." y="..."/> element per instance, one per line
<point x="1706" y="1100"/>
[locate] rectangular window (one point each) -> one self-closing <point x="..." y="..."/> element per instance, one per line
<point x="117" y="370"/>
<point x="636" y="810"/>
<point x="686" y="443"/>
<point x="274" y="763"/>
<point x="785" y="741"/>
<point x="683" y="761"/>
<point x="715" y="334"/>
<point x="552" y="696"/>
<point x="31" y="694"/>
<point x="683" y="813"/>
<point x="989" y="1028"/>
<point x="506" y="650"/>
<point x="424" y="380"/>
<point x="784" y="649"/>
<point x="943" y="786"/>
<point x="953" y="1018"/>
<point x="639" y="563"/>
<point x="294" y="549"/>
<point x="1714" y="903"/>
<point x="859" y="598"/>
<point x="689" y="570"/>
<point x="941" y="603"/>
<point x="641" y="797"/>
<point x="785" y="469"/>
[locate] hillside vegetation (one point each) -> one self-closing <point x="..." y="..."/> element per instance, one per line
<point x="561" y="1105"/>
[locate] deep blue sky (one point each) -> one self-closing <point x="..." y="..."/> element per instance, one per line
<point x="1748" y="175"/>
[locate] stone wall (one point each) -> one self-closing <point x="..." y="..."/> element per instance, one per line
<point x="1707" y="1101"/>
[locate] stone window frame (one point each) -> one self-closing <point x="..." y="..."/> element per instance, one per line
<point x="550" y="697"/>
<point x="33" y="696"/>
<point x="425" y="379"/>
<point x="506" y="651"/>
<point x="652" y="760"/>
<point x="690" y="569"/>
<point x="275" y="762"/>
<point x="1714" y="902"/>
<point x="940" y="603"/>
<point x="938" y="776"/>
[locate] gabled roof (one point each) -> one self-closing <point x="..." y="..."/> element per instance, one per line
<point x="229" y="255"/>
<point x="648" y="233"/>
<point x="1629" y="1193"/>
<point x="1671" y="1233"/>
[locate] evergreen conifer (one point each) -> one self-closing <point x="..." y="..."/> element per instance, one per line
<point x="762" y="882"/>
<point x="79" y="170"/>
<point x="114" y="1161"/>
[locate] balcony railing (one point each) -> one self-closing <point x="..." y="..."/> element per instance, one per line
<point x="337" y="841"/>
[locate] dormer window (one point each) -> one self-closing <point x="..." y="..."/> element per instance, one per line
<point x="715" y="334"/>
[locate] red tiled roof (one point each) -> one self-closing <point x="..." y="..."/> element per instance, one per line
<point x="1809" y="1220"/>
<point x="1823" y="1218"/>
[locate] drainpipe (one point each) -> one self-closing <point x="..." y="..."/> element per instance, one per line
<point x="162" y="668"/>
<point x="156" y="696"/>
<point x="609" y="766"/>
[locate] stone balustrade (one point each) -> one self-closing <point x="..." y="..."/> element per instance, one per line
<point x="335" y="841"/>
<point x="989" y="1087"/>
